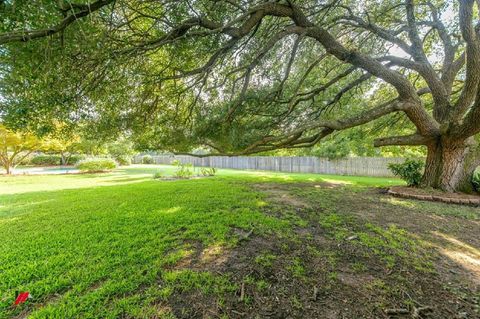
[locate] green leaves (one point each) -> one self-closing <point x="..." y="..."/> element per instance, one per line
<point x="16" y="146"/>
<point x="176" y="75"/>
<point x="476" y="180"/>
<point x="410" y="171"/>
<point x="96" y="165"/>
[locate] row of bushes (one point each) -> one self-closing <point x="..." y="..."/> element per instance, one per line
<point x="185" y="170"/>
<point x="96" y="164"/>
<point x="53" y="160"/>
<point x="50" y="160"/>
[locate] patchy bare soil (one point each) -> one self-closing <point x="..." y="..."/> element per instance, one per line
<point x="354" y="253"/>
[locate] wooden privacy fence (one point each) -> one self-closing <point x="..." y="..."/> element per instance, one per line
<point x="360" y="166"/>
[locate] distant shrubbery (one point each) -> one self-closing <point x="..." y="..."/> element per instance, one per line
<point x="184" y="170"/>
<point x="147" y="159"/>
<point x="121" y="151"/>
<point x="46" y="160"/>
<point x="80" y="161"/>
<point x="476" y="180"/>
<point x="122" y="159"/>
<point x="158" y="175"/>
<point x="410" y="171"/>
<point x="51" y="160"/>
<point x="96" y="165"/>
<point x="74" y="159"/>
<point x="208" y="171"/>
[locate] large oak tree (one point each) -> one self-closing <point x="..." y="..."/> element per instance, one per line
<point x="242" y="77"/>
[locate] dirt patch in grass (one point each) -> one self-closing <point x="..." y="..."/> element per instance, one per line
<point x="452" y="230"/>
<point x="277" y="194"/>
<point x="352" y="254"/>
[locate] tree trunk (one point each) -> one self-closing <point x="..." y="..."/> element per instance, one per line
<point x="450" y="165"/>
<point x="8" y="169"/>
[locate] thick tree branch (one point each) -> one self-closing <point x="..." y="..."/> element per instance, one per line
<point x="417" y="44"/>
<point x="322" y="128"/>
<point x="448" y="47"/>
<point x="471" y="123"/>
<point x="414" y="139"/>
<point x="27" y="35"/>
<point x="437" y="87"/>
<point x="472" y="79"/>
<point x="361" y="118"/>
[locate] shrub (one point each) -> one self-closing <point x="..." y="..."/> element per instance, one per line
<point x="124" y="159"/>
<point x="476" y="180"/>
<point x="96" y="165"/>
<point x="158" y="175"/>
<point x="183" y="170"/>
<point x="208" y="171"/>
<point x="410" y="171"/>
<point x="147" y="159"/>
<point x="121" y="151"/>
<point x="74" y="159"/>
<point x="46" y="160"/>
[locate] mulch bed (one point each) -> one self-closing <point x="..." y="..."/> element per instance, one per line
<point x="434" y="195"/>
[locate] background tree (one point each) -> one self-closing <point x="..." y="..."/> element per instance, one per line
<point x="64" y="145"/>
<point x="254" y="76"/>
<point x="91" y="147"/>
<point x="121" y="151"/>
<point x="15" y="147"/>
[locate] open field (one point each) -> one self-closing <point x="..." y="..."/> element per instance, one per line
<point x="237" y="245"/>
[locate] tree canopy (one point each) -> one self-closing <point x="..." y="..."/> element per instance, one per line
<point x="242" y="77"/>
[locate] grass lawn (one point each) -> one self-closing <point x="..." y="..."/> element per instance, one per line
<point x="237" y="245"/>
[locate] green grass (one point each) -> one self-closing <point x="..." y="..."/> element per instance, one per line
<point x="92" y="245"/>
<point x="85" y="250"/>
<point x="143" y="173"/>
<point x="107" y="245"/>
